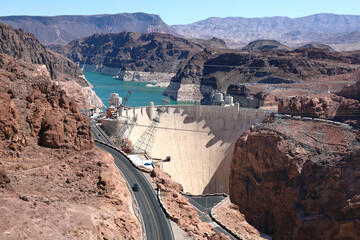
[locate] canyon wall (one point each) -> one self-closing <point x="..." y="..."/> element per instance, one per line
<point x="224" y="70"/>
<point x="54" y="183"/>
<point x="144" y="57"/>
<point x="64" y="72"/>
<point x="159" y="78"/>
<point x="296" y="178"/>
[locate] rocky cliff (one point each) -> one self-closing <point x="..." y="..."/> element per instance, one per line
<point x="63" y="29"/>
<point x="298" y="179"/>
<point x="218" y="70"/>
<point x="352" y="90"/>
<point x="327" y="106"/>
<point x="130" y="56"/>
<point x="53" y="183"/>
<point x="24" y="46"/>
<point x="180" y="208"/>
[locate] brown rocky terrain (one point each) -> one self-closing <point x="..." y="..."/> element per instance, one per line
<point x="134" y="56"/>
<point x="179" y="206"/>
<point x="66" y="73"/>
<point x="298" y="179"/>
<point x="229" y="214"/>
<point x="352" y="90"/>
<point x="327" y="106"/>
<point x="54" y="184"/>
<point x="211" y="71"/>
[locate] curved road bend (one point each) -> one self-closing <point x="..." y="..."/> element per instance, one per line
<point x="99" y="135"/>
<point x="156" y="224"/>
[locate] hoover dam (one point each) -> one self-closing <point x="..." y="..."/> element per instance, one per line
<point x="199" y="139"/>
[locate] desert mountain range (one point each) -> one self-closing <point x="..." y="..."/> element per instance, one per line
<point x="340" y="31"/>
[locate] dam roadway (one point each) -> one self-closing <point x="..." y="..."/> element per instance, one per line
<point x="156" y="224"/>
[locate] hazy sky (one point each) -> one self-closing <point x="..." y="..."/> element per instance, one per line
<point x="181" y="11"/>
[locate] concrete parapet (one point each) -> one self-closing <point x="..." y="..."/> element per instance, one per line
<point x="167" y="213"/>
<point x="308" y="118"/>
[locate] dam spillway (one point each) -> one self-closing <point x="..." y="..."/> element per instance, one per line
<point x="199" y="139"/>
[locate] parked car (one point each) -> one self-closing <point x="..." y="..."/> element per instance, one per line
<point x="136" y="187"/>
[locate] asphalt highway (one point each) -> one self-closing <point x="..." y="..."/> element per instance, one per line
<point x="99" y="135"/>
<point x="156" y="224"/>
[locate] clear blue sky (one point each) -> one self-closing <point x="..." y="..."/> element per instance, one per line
<point x="181" y="11"/>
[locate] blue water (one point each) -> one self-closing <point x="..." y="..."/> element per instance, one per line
<point x="141" y="95"/>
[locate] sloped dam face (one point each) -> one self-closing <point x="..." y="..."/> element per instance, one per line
<point x="199" y="139"/>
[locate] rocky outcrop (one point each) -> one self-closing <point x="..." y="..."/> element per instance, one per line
<point x="50" y="115"/>
<point x="211" y="71"/>
<point x="53" y="182"/>
<point x="4" y="179"/>
<point x="66" y="73"/>
<point x="229" y="215"/>
<point x="298" y="179"/>
<point x="264" y="44"/>
<point x="185" y="85"/>
<point x="352" y="90"/>
<point x="179" y="207"/>
<point x="328" y="106"/>
<point x="63" y="29"/>
<point x="131" y="56"/>
<point x="124" y="144"/>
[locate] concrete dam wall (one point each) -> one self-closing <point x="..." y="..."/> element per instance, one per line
<point x="199" y="139"/>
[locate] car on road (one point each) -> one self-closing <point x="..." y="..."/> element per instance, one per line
<point x="135" y="187"/>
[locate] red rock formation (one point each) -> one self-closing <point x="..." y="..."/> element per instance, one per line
<point x="53" y="183"/>
<point x="179" y="206"/>
<point x="229" y="214"/>
<point x="328" y="106"/>
<point x="353" y="90"/>
<point x="298" y="180"/>
<point x="26" y="47"/>
<point x="124" y="144"/>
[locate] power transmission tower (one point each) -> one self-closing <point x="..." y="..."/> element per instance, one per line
<point x="145" y="143"/>
<point x="127" y="127"/>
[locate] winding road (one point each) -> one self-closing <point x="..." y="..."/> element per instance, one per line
<point x="157" y="226"/>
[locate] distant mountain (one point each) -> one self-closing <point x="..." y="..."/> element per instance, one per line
<point x="63" y="29"/>
<point x="317" y="45"/>
<point x="261" y="45"/>
<point x="290" y="31"/>
<point x="341" y="38"/>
